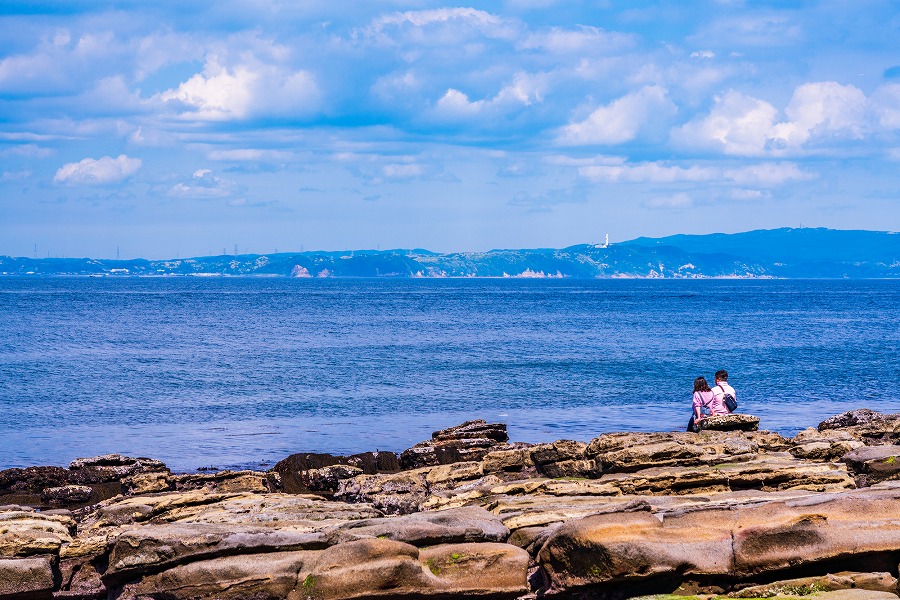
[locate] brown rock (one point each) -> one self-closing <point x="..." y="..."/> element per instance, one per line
<point x="148" y="483"/>
<point x="26" y="577"/>
<point x="455" y="525"/>
<point x="624" y="547"/>
<point x="478" y="570"/>
<point x="380" y="568"/>
<point x="163" y="546"/>
<point x="26" y="533"/>
<point x="875" y="463"/>
<point x="226" y="482"/>
<point x="269" y="576"/>
<point x="515" y="459"/>
<point x="732" y="422"/>
<point x="371" y="568"/>
<point x="557" y="451"/>
<point x="874" y="582"/>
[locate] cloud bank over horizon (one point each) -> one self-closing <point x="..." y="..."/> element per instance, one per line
<point x="164" y="129"/>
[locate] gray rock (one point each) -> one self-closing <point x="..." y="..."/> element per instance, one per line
<point x="860" y="416"/>
<point x="66" y="495"/>
<point x="26" y="577"/>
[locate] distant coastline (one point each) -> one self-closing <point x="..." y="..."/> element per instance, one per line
<point x="765" y="254"/>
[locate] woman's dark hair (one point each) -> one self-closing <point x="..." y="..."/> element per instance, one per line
<point x="700" y="385"/>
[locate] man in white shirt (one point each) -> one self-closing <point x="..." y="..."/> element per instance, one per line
<point x="722" y="388"/>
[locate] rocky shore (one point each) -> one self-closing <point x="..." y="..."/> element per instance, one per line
<point x="727" y="512"/>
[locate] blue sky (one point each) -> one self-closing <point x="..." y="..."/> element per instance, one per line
<point x="170" y="128"/>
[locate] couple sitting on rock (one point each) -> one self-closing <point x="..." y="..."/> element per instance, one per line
<point x="720" y="400"/>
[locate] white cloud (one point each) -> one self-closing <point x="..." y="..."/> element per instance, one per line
<point x="101" y="171"/>
<point x="703" y="54"/>
<point x="584" y="39"/>
<point x="761" y="174"/>
<point x="822" y="108"/>
<point x="485" y="22"/>
<point x="886" y="106"/>
<point x="526" y="89"/>
<point x="768" y="174"/>
<point x="203" y="184"/>
<point x="621" y="120"/>
<point x="220" y="93"/>
<point x="745" y="126"/>
<point x="15" y="175"/>
<point x="737" y="124"/>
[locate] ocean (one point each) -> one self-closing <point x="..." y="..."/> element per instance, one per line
<point x="242" y="372"/>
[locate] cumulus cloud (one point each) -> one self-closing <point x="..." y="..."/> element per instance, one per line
<point x="745" y="126"/>
<point x="221" y="93"/>
<point x="526" y="89"/>
<point x="97" y="172"/>
<point x="737" y="124"/>
<point x="822" y="108"/>
<point x="621" y="120"/>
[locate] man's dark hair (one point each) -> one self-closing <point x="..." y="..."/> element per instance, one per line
<point x="722" y="375"/>
<point x="700" y="385"/>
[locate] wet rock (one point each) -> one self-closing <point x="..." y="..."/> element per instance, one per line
<point x="26" y="577"/>
<point x="860" y="416"/>
<point x="111" y="467"/>
<point x="66" y="495"/>
<point x="294" y="470"/>
<point x="31" y="480"/>
<point x="392" y="493"/>
<point x="470" y="441"/>
<point x="327" y="478"/>
<point x="732" y="422"/>
<point x="477" y="429"/>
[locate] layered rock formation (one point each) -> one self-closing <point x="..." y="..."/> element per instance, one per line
<point x="746" y="514"/>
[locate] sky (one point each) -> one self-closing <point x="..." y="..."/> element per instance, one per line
<point x="171" y="129"/>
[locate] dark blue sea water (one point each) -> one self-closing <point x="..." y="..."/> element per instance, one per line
<point x="243" y="372"/>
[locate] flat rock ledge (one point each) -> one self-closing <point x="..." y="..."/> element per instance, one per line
<point x="736" y="513"/>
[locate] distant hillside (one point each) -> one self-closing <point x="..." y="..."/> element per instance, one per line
<point x="786" y="253"/>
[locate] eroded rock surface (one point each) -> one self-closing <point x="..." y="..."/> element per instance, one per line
<point x="745" y="513"/>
